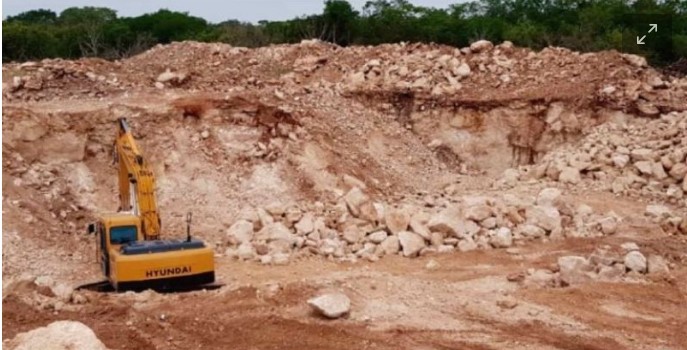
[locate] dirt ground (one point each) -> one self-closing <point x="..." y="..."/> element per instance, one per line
<point x="292" y="124"/>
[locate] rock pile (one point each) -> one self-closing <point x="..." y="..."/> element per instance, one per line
<point x="481" y="72"/>
<point x="52" y="78"/>
<point x="358" y="227"/>
<point x="44" y="293"/>
<point x="606" y="263"/>
<point x="643" y="158"/>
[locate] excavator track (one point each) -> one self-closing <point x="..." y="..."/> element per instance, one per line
<point x="106" y="287"/>
<point x="100" y="286"/>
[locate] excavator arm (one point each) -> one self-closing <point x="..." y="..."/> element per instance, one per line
<point x="136" y="182"/>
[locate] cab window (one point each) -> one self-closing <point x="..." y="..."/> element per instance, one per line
<point x="122" y="234"/>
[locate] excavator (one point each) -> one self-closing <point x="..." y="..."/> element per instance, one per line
<point x="128" y="244"/>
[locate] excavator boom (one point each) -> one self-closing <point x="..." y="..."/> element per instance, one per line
<point x="136" y="182"/>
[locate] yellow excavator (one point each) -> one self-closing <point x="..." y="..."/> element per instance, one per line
<point x="128" y="244"/>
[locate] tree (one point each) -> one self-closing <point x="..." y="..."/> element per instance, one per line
<point x="167" y="26"/>
<point x="40" y="16"/>
<point x="584" y="25"/>
<point x="88" y="24"/>
<point x="339" y="20"/>
<point x="25" y="41"/>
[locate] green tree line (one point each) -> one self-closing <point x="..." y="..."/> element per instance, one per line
<point x="584" y="25"/>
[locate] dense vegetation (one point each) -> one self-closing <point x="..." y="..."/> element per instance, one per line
<point x="585" y="25"/>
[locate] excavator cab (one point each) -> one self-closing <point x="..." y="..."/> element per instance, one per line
<point x="131" y="263"/>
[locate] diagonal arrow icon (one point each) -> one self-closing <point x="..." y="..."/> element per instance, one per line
<point x="653" y="28"/>
<point x="640" y="41"/>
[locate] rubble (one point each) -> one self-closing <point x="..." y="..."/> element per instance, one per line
<point x="605" y="263"/>
<point x="637" y="158"/>
<point x="475" y="222"/>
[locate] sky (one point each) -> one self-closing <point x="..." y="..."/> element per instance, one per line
<point x="212" y="10"/>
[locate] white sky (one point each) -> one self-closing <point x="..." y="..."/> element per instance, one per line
<point x="212" y="10"/>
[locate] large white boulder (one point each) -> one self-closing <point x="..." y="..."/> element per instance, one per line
<point x="411" y="243"/>
<point x="241" y="231"/>
<point x="545" y="217"/>
<point x="331" y="305"/>
<point x="60" y="335"/>
<point x="480" y="46"/>
<point x="635" y="261"/>
<point x="574" y="269"/>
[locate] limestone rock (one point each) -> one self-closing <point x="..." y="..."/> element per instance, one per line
<point x="620" y="160"/>
<point x="331" y="305"/>
<point x="481" y="46"/>
<point x="418" y="225"/>
<point x="280" y="258"/>
<point x="411" y="243"/>
<point x="355" y="198"/>
<point x="629" y="246"/>
<point x="377" y="236"/>
<point x="507" y="302"/>
<point x="353" y="234"/>
<point x="59" y="335"/>
<point x="241" y="231"/>
<point x="603" y="256"/>
<point x="549" y="197"/>
<point x="611" y="273"/>
<point x="574" y="269"/>
<point x="657" y="171"/>
<point x="245" y="251"/>
<point x="569" y="175"/>
<point x="432" y="265"/>
<point x="540" y="278"/>
<point x="548" y="218"/>
<point x="276" y="208"/>
<point x="446" y="221"/>
<point x="477" y="212"/>
<point x="275" y="231"/>
<point x="510" y="176"/>
<point x="306" y="224"/>
<point x="645" y="167"/>
<point x="657" y="211"/>
<point x="63" y="292"/>
<point x="462" y="71"/>
<point x="466" y="245"/>
<point x="635" y="60"/>
<point x="171" y="77"/>
<point x="647" y="108"/>
<point x="390" y="245"/>
<point x="635" y="261"/>
<point x="656" y="264"/>
<point x="502" y="238"/>
<point x="609" y="225"/>
<point x="264" y="218"/>
<point x="678" y="171"/>
<point x="397" y="220"/>
<point x="331" y="246"/>
<point x="530" y="231"/>
<point x="640" y="154"/>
